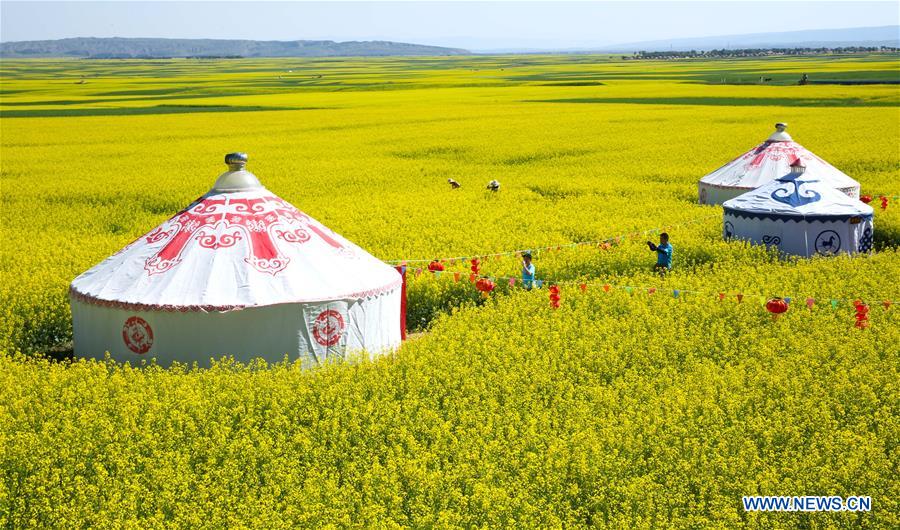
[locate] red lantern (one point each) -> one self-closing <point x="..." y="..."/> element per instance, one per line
<point x="554" y="296"/>
<point x="776" y="306"/>
<point x="884" y="202"/>
<point x="485" y="285"/>
<point x="435" y="265"/>
<point x="866" y="199"/>
<point x="475" y="265"/>
<point x="862" y="314"/>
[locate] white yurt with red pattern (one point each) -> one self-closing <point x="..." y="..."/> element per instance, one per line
<point x="766" y="162"/>
<point x="238" y="272"/>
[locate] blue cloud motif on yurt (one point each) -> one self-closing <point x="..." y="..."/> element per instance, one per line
<point x="796" y="198"/>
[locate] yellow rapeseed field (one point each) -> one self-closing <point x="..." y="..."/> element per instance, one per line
<point x="620" y="409"/>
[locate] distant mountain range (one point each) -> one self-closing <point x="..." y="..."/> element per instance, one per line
<point x="115" y="47"/>
<point x="816" y="38"/>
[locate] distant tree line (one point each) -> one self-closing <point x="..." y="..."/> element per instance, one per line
<point x="757" y="52"/>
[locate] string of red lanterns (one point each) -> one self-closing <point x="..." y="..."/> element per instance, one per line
<point x="776" y="306"/>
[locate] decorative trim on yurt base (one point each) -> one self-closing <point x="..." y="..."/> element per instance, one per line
<point x="824" y="218"/>
<point x="131" y="306"/>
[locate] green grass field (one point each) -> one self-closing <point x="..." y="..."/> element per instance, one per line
<point x="621" y="409"/>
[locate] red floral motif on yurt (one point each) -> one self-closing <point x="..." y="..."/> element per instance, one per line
<point x="212" y="241"/>
<point x="298" y="235"/>
<point x="138" y="335"/>
<point x="257" y="222"/>
<point x="328" y="327"/>
<point x="778" y="151"/>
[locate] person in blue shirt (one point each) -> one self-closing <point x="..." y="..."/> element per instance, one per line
<point x="527" y="270"/>
<point x="663" y="253"/>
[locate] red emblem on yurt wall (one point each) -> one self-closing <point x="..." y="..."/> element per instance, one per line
<point x="328" y="327"/>
<point x="138" y="335"/>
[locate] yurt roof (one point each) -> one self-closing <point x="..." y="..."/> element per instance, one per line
<point x="770" y="160"/>
<point x="237" y="246"/>
<point x="798" y="195"/>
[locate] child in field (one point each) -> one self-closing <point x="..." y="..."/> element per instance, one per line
<point x="527" y="270"/>
<point x="663" y="253"/>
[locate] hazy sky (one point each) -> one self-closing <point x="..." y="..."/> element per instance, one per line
<point x="472" y="25"/>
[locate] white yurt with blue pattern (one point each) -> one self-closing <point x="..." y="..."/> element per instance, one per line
<point x="801" y="215"/>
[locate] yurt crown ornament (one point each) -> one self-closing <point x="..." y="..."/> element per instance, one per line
<point x="780" y="134"/>
<point x="236" y="161"/>
<point x="240" y="271"/>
